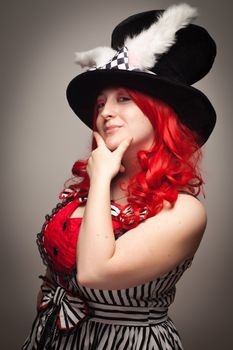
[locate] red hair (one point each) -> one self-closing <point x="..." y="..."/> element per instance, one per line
<point x="169" y="167"/>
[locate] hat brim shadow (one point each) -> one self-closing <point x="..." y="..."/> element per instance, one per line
<point x="192" y="106"/>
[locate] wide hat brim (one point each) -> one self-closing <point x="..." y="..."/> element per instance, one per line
<point x="192" y="106"/>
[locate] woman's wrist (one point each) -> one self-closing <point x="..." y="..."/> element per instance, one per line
<point x="99" y="191"/>
<point x="101" y="178"/>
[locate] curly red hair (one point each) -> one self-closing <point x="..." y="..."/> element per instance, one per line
<point x="172" y="164"/>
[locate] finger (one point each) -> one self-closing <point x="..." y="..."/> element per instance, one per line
<point x="98" y="138"/>
<point x="123" y="146"/>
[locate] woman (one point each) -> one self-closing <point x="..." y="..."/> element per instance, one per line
<point x="129" y="225"/>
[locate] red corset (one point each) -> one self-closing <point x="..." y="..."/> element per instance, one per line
<point x="58" y="239"/>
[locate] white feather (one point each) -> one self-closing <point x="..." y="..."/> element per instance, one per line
<point x="94" y="58"/>
<point x="145" y="48"/>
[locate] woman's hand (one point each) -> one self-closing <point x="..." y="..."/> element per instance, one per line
<point x="104" y="162"/>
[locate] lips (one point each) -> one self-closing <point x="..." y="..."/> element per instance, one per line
<point x="111" y="128"/>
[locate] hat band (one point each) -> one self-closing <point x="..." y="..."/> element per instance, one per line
<point x="120" y="61"/>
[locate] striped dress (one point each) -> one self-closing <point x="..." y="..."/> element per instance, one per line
<point x="72" y="316"/>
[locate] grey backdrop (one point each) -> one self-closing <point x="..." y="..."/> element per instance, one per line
<point x="41" y="138"/>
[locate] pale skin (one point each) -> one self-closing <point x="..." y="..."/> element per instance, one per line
<point x="155" y="246"/>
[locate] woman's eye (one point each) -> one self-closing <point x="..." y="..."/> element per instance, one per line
<point x="100" y="105"/>
<point x="124" y="98"/>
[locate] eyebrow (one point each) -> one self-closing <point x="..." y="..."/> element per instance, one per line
<point x="119" y="90"/>
<point x="99" y="96"/>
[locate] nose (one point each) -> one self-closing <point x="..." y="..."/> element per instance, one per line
<point x="108" y="110"/>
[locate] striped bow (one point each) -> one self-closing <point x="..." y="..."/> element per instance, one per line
<point x="66" y="309"/>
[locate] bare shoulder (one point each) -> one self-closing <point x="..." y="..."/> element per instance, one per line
<point x="193" y="208"/>
<point x="177" y="228"/>
<point x="188" y="215"/>
<point x="156" y="246"/>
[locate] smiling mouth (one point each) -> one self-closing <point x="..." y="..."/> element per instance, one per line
<point x="112" y="129"/>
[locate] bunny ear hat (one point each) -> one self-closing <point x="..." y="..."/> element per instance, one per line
<point x="160" y="53"/>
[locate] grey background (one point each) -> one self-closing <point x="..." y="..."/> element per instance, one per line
<point x="41" y="138"/>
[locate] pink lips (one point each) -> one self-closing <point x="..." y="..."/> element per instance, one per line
<point x="111" y="129"/>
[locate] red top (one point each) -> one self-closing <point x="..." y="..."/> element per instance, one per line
<point x="60" y="234"/>
<point x="57" y="241"/>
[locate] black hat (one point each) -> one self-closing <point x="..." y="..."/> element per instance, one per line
<point x="159" y="53"/>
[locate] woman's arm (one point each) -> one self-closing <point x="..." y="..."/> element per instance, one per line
<point x="96" y="241"/>
<point x="153" y="248"/>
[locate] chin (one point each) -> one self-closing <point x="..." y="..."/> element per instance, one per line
<point x="113" y="141"/>
<point x="112" y="145"/>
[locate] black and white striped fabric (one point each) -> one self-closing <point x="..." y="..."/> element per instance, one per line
<point x="133" y="318"/>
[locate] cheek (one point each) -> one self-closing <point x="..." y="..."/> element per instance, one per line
<point x="146" y="124"/>
<point x="143" y="123"/>
<point x="144" y="130"/>
<point x="98" y="125"/>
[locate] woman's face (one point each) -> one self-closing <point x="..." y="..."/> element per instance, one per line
<point x="118" y="117"/>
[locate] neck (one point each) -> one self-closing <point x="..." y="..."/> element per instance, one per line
<point x="119" y="181"/>
<point x="117" y="199"/>
<point x="132" y="166"/>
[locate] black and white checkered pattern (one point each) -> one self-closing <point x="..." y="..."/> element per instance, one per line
<point x="119" y="61"/>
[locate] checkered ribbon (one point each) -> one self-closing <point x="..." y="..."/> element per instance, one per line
<point x="119" y="61"/>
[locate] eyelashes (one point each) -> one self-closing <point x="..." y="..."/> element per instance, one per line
<point x="100" y="104"/>
<point x="124" y="98"/>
